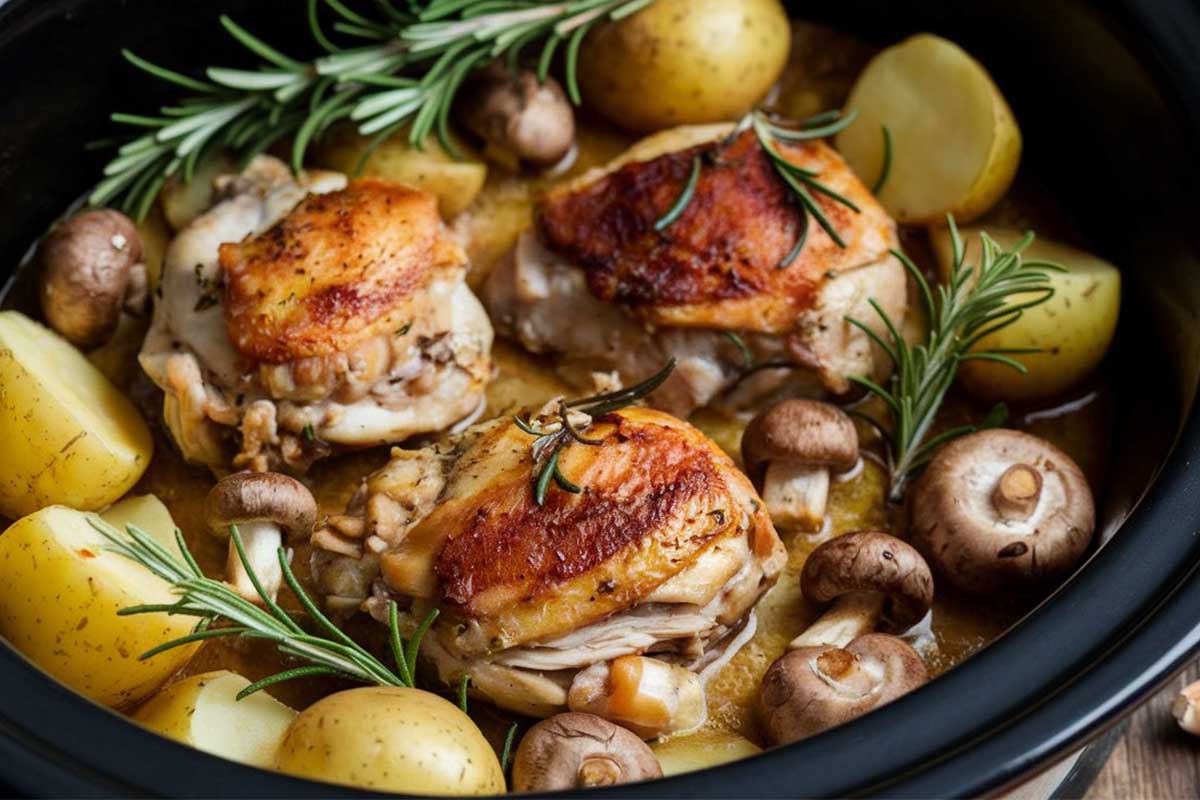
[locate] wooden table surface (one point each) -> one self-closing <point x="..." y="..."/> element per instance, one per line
<point x="1154" y="760"/>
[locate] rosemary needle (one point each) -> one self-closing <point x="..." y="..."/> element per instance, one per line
<point x="685" y="197"/>
<point x="886" y="169"/>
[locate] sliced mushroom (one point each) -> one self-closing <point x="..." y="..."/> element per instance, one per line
<point x="519" y="117"/>
<point x="1002" y="510"/>
<point x="648" y="696"/>
<point x="89" y="264"/>
<point x="812" y="689"/>
<point x="871" y="577"/>
<point x="1186" y="708"/>
<point x="264" y="506"/>
<point x="792" y="447"/>
<point x="575" y="751"/>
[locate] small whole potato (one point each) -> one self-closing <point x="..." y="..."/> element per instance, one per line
<point x="62" y="590"/>
<point x="684" y="61"/>
<point x="391" y="739"/>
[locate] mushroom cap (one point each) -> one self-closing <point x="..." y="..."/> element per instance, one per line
<point x="812" y="689"/>
<point x="575" y="750"/>
<point x="968" y="541"/>
<point x="531" y="119"/>
<point x="86" y="263"/>
<point x="246" y="497"/>
<point x="803" y="431"/>
<point x="871" y="561"/>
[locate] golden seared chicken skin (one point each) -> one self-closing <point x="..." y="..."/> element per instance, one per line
<point x="304" y="314"/>
<point x="620" y="599"/>
<point x="596" y="281"/>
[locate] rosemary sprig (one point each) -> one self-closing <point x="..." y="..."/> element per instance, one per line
<point x="972" y="304"/>
<point x="406" y="71"/>
<point x="548" y="444"/>
<point x="330" y="652"/>
<point x="886" y="169"/>
<point x="802" y="184"/>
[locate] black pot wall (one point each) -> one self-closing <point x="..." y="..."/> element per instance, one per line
<point x="1109" y="101"/>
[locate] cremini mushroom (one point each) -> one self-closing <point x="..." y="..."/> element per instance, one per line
<point x="811" y="689"/>
<point x="89" y="266"/>
<point x="1186" y="708"/>
<point x="791" y="448"/>
<point x="264" y="506"/>
<point x="646" y="695"/>
<point x="519" y="117"/>
<point x="870" y="577"/>
<point x="1002" y="511"/>
<point x="575" y="751"/>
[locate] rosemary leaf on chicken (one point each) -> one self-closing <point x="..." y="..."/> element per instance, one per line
<point x="223" y="612"/>
<point x="975" y="302"/>
<point x="549" y="443"/>
<point x="801" y="183"/>
<point x="407" y="74"/>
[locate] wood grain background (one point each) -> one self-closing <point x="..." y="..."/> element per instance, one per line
<point x="1154" y="760"/>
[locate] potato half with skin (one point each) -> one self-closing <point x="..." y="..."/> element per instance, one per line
<point x="684" y="61"/>
<point x="72" y="438"/>
<point x="1072" y="330"/>
<point x="391" y="739"/>
<point x="455" y="183"/>
<point x="955" y="143"/>
<point x="203" y="711"/>
<point x="61" y="592"/>
<point x="707" y="747"/>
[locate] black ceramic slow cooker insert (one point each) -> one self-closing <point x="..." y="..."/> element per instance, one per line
<point x="1108" y="95"/>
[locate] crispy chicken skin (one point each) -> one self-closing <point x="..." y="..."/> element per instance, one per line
<point x="665" y="551"/>
<point x="340" y="268"/>
<point x="303" y="314"/>
<point x="715" y="270"/>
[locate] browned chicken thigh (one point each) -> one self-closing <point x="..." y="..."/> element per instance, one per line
<point x="600" y="281"/>
<point x="619" y="599"/>
<point x="305" y="314"/>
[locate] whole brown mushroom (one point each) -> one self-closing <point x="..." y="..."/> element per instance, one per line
<point x="1002" y="511"/>
<point x="812" y="689"/>
<point x="870" y="577"/>
<point x="790" y="449"/>
<point x="264" y="506"/>
<point x="576" y="750"/>
<point x="90" y="264"/>
<point x="519" y="117"/>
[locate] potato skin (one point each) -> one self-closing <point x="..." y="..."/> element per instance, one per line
<point x="73" y="439"/>
<point x="59" y="601"/>
<point x="684" y="61"/>
<point x="1072" y="330"/>
<point x="391" y="739"/>
<point x="203" y="711"/>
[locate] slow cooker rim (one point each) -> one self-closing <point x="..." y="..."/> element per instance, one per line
<point x="81" y="753"/>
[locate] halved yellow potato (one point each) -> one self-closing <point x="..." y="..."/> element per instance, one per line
<point x="455" y="183"/>
<point x="183" y="201"/>
<point x="1072" y="330"/>
<point x="955" y="143"/>
<point x="705" y="748"/>
<point x="71" y="437"/>
<point x="61" y="592"/>
<point x="203" y="711"/>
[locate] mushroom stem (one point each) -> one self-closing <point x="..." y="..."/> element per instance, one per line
<point x="796" y="494"/>
<point x="850" y="616"/>
<point x="1017" y="492"/>
<point x="845" y="672"/>
<point x="261" y="541"/>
